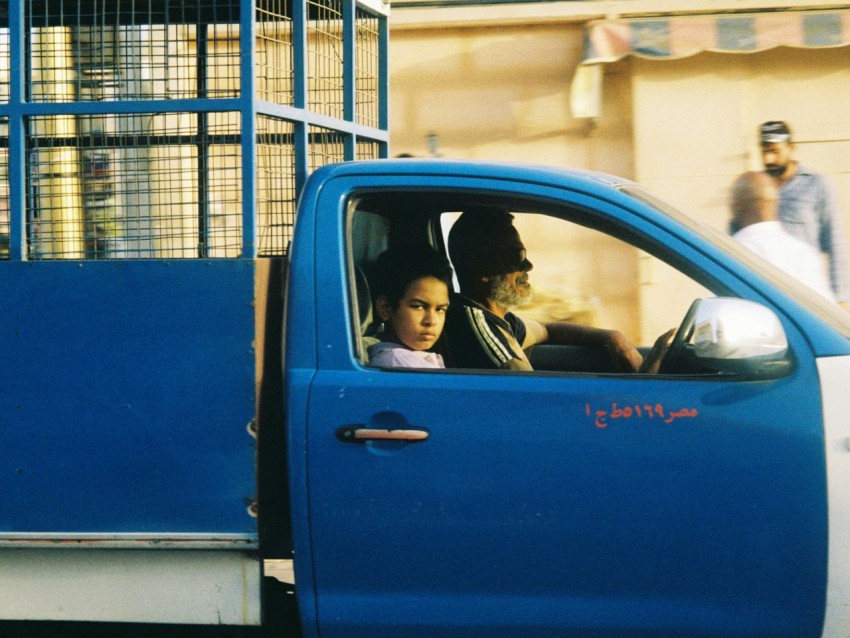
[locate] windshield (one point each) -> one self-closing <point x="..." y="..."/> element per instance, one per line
<point x="827" y="310"/>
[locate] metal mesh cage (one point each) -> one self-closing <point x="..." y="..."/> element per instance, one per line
<point x="367" y="69"/>
<point x="326" y="147"/>
<point x="148" y="185"/>
<point x="368" y="150"/>
<point x="106" y="178"/>
<point x="90" y="51"/>
<point x="4" y="190"/>
<point x="4" y="64"/>
<point x="324" y="57"/>
<point x="274" y="67"/>
<point x="275" y="184"/>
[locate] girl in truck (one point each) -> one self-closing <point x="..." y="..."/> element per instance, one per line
<point x="411" y="296"/>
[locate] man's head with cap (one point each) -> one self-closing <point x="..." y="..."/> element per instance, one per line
<point x="774" y="132"/>
<point x="777" y="149"/>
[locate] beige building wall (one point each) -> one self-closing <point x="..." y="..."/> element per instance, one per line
<point x="502" y="93"/>
<point x="684" y="128"/>
<point x="695" y="122"/>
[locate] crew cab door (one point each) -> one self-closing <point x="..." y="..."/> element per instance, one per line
<point x="555" y="504"/>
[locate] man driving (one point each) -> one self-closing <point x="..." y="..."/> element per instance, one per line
<point x="492" y="269"/>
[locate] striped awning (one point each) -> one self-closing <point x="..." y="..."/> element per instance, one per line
<point x="683" y="36"/>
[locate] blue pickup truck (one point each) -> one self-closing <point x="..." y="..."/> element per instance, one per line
<point x="161" y="440"/>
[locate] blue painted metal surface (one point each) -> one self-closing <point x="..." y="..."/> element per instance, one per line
<point x="125" y="392"/>
<point x="521" y="515"/>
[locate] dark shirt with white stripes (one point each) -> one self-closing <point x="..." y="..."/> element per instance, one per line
<point x="475" y="337"/>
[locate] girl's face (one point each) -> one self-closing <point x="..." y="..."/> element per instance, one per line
<point x="418" y="320"/>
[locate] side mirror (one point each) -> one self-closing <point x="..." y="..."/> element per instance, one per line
<point x="738" y="336"/>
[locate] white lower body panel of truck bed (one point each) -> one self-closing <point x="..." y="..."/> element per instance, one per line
<point x="190" y="586"/>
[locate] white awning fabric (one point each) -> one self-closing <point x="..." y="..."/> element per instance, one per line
<point x="683" y="36"/>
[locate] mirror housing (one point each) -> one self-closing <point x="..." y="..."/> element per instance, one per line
<point x="739" y="336"/>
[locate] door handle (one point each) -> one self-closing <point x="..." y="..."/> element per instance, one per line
<point x="361" y="434"/>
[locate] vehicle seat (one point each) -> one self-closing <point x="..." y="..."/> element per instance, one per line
<point x="365" y="317"/>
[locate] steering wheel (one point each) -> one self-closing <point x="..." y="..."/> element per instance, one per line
<point x="674" y="357"/>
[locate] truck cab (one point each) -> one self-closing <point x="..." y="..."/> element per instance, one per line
<point x="571" y="500"/>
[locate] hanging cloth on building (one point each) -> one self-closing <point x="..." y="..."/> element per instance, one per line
<point x="683" y="36"/>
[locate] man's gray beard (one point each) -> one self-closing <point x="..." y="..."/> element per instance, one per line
<point x="504" y="295"/>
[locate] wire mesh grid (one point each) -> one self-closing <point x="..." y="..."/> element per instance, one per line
<point x="275" y="185"/>
<point x="274" y="66"/>
<point x="4" y="191"/>
<point x="4" y="64"/>
<point x="326" y="147"/>
<point x="367" y="68"/>
<point x="368" y="150"/>
<point x="325" y="58"/>
<point x="169" y="184"/>
<point x="92" y="51"/>
<point x="134" y="186"/>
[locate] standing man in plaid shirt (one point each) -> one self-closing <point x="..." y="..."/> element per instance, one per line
<point x="808" y="205"/>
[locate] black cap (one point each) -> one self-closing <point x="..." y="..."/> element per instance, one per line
<point x="774" y="132"/>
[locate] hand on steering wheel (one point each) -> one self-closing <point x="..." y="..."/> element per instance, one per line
<point x="676" y="351"/>
<point x="652" y="362"/>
